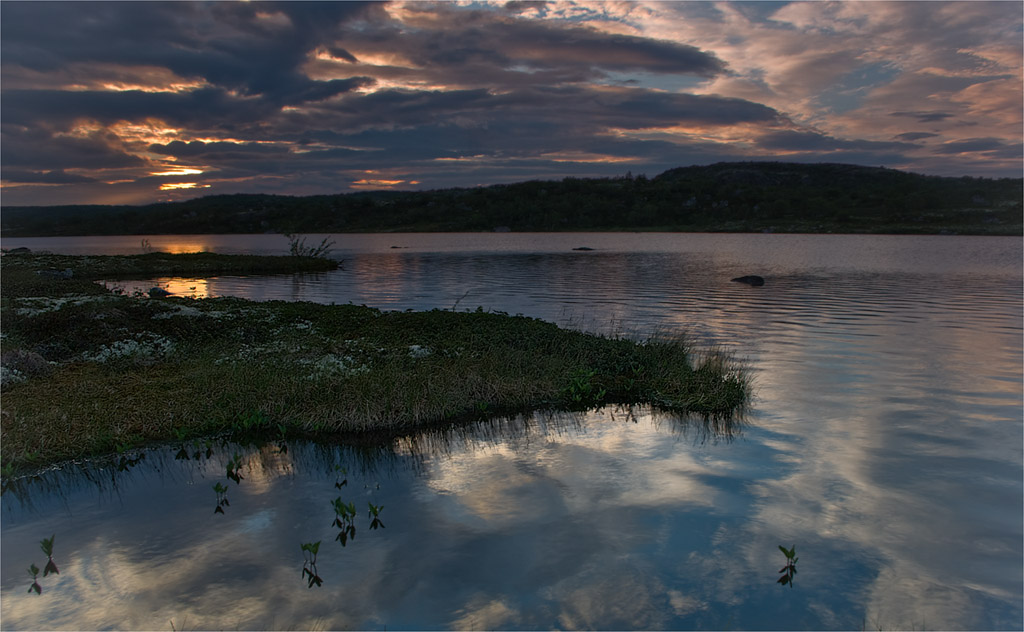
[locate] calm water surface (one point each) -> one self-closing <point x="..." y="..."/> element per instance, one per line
<point x="886" y="443"/>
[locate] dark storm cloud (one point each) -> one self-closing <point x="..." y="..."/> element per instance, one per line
<point x="912" y="136"/>
<point x="199" y="149"/>
<point x="442" y="35"/>
<point x="36" y="150"/>
<point x="44" y="177"/>
<point x="245" y="62"/>
<point x="925" y="117"/>
<point x="524" y="5"/>
<point x="204" y="107"/>
<point x="228" y="43"/>
<point x="299" y="97"/>
<point x="811" y="141"/>
<point x="573" y="108"/>
<point x="987" y="145"/>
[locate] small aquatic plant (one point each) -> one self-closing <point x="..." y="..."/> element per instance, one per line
<point x="222" y="499"/>
<point x="375" y="521"/>
<point x="233" y="467"/>
<point x="789" y="570"/>
<point x="344" y="519"/>
<point x="33" y="570"/>
<point x="46" y="544"/>
<point x="342" y="478"/>
<point x="309" y="551"/>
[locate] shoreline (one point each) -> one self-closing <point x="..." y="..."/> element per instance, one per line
<point x="87" y="371"/>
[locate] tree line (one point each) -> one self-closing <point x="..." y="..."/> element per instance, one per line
<point x="735" y="196"/>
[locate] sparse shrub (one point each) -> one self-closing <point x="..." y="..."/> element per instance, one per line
<point x="298" y="248"/>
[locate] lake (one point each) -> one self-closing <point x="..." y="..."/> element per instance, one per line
<point x="885" y="442"/>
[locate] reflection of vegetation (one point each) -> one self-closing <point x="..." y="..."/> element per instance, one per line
<point x="222" y="498"/>
<point x="342" y="477"/>
<point x="123" y="372"/>
<point x="309" y="551"/>
<point x="344" y="519"/>
<point x="233" y="467"/>
<point x="33" y="570"/>
<point x="736" y="196"/>
<point x="126" y="462"/>
<point x="375" y="521"/>
<point x="789" y="570"/>
<point x="46" y="544"/>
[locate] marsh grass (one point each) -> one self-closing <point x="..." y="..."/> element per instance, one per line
<point x="114" y="372"/>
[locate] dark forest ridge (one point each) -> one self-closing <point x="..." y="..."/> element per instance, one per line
<point x="723" y="197"/>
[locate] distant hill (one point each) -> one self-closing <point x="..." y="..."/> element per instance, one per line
<point x="724" y="197"/>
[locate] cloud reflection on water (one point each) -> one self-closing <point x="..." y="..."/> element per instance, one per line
<point x="885" y="444"/>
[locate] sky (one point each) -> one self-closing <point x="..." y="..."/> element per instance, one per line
<point x="140" y="102"/>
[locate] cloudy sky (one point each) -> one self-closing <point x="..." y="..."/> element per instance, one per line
<point x="136" y="102"/>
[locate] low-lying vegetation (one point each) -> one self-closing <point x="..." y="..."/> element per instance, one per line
<point x="86" y="371"/>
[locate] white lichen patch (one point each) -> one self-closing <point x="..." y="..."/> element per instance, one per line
<point x="276" y="350"/>
<point x="416" y="351"/>
<point x="334" y="365"/>
<point x="179" y="310"/>
<point x="36" y="305"/>
<point x="10" y="376"/>
<point x="142" y="347"/>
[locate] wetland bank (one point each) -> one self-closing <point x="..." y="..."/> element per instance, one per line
<point x="90" y="370"/>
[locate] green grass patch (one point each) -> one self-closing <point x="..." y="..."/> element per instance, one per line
<point x="88" y="372"/>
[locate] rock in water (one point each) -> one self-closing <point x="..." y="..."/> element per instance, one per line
<point x="751" y="279"/>
<point x="158" y="292"/>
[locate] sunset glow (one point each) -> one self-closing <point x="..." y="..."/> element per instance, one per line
<point x="307" y="94"/>
<point x="177" y="171"/>
<point x="171" y="186"/>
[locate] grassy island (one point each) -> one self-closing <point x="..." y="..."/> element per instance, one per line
<point x="88" y="371"/>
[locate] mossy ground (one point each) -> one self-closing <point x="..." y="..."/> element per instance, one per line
<point x="87" y="371"/>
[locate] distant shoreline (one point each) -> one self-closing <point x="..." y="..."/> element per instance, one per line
<point x="743" y="197"/>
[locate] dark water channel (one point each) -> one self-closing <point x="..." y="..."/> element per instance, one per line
<point x="886" y="443"/>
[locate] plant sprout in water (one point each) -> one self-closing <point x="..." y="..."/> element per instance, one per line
<point x="375" y="521"/>
<point x="222" y="499"/>
<point x="790" y="570"/>
<point x="309" y="551"/>
<point x="344" y="519"/>
<point x="234" y="465"/>
<point x="342" y="478"/>
<point x="46" y="544"/>
<point x="33" y="570"/>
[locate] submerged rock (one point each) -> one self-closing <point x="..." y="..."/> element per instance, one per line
<point x="583" y="248"/>
<point x="750" y="279"/>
